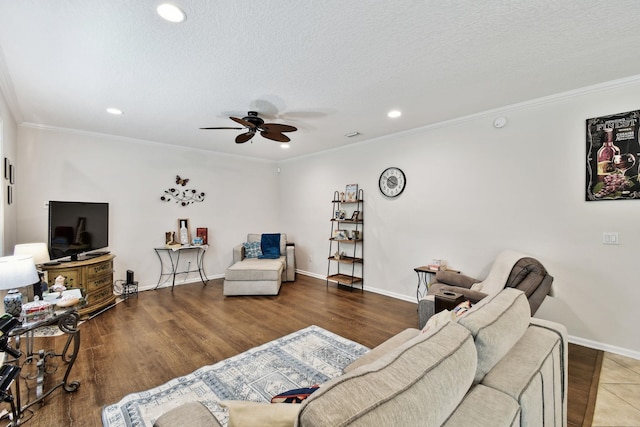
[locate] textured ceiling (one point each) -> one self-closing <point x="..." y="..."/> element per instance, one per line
<point x="328" y="67"/>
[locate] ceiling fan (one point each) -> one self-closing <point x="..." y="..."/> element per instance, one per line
<point x="253" y="124"/>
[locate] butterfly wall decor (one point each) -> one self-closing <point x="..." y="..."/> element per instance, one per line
<point x="182" y="196"/>
<point x="182" y="181"/>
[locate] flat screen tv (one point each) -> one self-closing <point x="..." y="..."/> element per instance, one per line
<point x="76" y="228"/>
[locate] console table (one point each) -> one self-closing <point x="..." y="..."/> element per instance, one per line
<point x="170" y="263"/>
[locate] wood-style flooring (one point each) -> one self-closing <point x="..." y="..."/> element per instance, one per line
<point x="158" y="335"/>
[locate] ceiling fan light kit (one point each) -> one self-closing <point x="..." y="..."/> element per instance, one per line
<point x="254" y="124"/>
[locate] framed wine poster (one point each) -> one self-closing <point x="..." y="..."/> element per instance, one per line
<point x="613" y="153"/>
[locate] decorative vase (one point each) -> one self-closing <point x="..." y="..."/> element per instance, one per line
<point x="13" y="303"/>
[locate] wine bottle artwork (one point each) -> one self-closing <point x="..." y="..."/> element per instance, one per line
<point x="613" y="147"/>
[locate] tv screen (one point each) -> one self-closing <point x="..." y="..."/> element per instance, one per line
<point x="77" y="227"/>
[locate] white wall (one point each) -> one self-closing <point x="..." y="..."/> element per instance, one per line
<point x="241" y="195"/>
<point x="472" y="191"/>
<point x="8" y="141"/>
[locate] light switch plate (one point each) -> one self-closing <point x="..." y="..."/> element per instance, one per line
<point x="610" y="238"/>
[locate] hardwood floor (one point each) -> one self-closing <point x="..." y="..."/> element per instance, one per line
<point x="149" y="339"/>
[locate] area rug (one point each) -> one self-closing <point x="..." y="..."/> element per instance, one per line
<point x="310" y="356"/>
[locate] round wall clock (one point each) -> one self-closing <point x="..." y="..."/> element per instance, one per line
<point x="392" y="182"/>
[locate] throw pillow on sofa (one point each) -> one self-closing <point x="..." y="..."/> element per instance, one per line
<point x="260" y="414"/>
<point x="252" y="249"/>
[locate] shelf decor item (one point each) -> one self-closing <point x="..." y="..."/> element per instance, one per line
<point x="351" y="193"/>
<point x="203" y="233"/>
<point x="184" y="231"/>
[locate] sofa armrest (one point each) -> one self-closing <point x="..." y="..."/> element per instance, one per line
<point x="471" y="295"/>
<point x="452" y="278"/>
<point x="290" y="262"/>
<point x="238" y="253"/>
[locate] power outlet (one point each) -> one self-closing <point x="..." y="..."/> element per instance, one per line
<point x="610" y="238"/>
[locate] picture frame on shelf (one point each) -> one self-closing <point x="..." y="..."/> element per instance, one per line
<point x="351" y="193"/>
<point x="184" y="236"/>
<point x="9" y="195"/>
<point x="340" y="235"/>
<point x="355" y="215"/>
<point x="12" y="173"/>
<point x="203" y="233"/>
<point x="6" y="168"/>
<point x="170" y="239"/>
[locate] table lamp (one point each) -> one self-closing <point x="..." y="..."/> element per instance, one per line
<point x="40" y="254"/>
<point x="16" y="271"/>
<point x="38" y="251"/>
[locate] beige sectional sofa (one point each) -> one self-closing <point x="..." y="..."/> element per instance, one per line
<point x="494" y="366"/>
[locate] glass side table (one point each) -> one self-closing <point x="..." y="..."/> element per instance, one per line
<point x="38" y="366"/>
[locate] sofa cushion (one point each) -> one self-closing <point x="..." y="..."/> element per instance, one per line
<point x="496" y="322"/>
<point x="252" y="249"/>
<point x="379" y="351"/>
<point x="188" y="414"/>
<point x="418" y="383"/>
<point x="258" y="414"/>
<point x="486" y="407"/>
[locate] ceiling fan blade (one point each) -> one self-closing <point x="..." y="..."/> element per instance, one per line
<point x="277" y="127"/>
<point x="275" y="136"/>
<point x="244" y="123"/>
<point x="244" y="137"/>
<point x="224" y="128"/>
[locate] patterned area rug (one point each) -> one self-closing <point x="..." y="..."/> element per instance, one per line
<point x="304" y="358"/>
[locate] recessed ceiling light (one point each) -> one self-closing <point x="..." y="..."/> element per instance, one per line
<point x="171" y="13"/>
<point x="352" y="134"/>
<point x="394" y="113"/>
<point x="114" y="111"/>
<point x="285" y="145"/>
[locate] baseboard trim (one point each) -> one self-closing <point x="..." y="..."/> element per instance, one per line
<point x="604" y="347"/>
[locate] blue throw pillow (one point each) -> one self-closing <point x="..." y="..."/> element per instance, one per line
<point x="252" y="249"/>
<point x="270" y="246"/>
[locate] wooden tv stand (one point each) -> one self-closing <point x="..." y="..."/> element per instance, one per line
<point x="93" y="275"/>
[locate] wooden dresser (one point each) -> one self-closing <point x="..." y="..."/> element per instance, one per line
<point x="94" y="276"/>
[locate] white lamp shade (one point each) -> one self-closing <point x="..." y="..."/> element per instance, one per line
<point x="17" y="271"/>
<point x="38" y="251"/>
